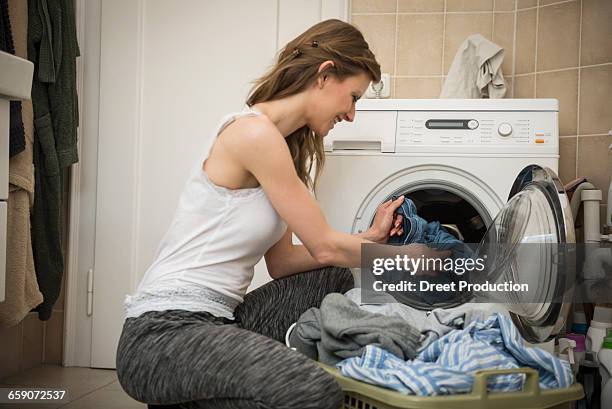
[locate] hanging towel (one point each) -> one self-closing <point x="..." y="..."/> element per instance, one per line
<point x="22" y="292"/>
<point x="16" y="135"/>
<point x="53" y="48"/>
<point x="476" y="70"/>
<point x="340" y="329"/>
<point x="447" y="366"/>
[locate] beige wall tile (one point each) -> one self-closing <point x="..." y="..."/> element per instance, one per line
<point x="595" y="106"/>
<point x="379" y="32"/>
<point x="524" y="86"/>
<point x="525" y="41"/>
<point x="407" y="6"/>
<point x="459" y="26"/>
<point x="32" y="341"/>
<point x="54" y="337"/>
<point x="562" y="85"/>
<point x="558" y="36"/>
<point x="522" y="4"/>
<point x="392" y="82"/>
<point x="595" y="160"/>
<point x="10" y="353"/>
<point x="469" y="5"/>
<point x="503" y="35"/>
<point x="419" y="44"/>
<point x="567" y="158"/>
<point x="504" y="5"/>
<point x="596" y="32"/>
<point x="418" y="87"/>
<point x="373" y="6"/>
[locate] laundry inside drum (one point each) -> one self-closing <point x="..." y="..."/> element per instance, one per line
<point x="461" y="216"/>
<point x="454" y="212"/>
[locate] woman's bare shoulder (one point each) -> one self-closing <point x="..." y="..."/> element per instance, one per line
<point x="252" y="134"/>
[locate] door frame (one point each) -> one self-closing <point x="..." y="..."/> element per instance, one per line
<point x="83" y="181"/>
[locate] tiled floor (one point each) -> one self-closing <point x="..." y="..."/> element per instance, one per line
<point x="88" y="388"/>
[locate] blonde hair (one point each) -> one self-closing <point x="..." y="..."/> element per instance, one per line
<point x="297" y="68"/>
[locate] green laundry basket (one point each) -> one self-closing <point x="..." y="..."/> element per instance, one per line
<point x="360" y="395"/>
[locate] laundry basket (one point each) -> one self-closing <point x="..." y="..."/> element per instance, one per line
<point x="360" y="395"/>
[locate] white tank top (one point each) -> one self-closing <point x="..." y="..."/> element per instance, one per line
<point x="205" y="261"/>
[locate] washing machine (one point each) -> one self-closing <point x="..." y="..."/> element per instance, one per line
<point x="461" y="161"/>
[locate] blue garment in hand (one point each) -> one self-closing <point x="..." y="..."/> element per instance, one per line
<point x="418" y="230"/>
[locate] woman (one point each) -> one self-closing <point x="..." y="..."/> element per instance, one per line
<point x="191" y="336"/>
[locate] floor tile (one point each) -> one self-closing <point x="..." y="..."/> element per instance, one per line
<point x="89" y="388"/>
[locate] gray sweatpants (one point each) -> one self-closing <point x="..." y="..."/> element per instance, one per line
<point x="196" y="360"/>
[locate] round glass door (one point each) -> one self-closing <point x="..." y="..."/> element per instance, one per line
<point x="526" y="244"/>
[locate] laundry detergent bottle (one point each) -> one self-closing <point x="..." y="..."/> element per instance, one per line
<point x="605" y="370"/>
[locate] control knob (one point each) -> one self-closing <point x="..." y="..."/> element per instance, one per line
<point x="504" y="129"/>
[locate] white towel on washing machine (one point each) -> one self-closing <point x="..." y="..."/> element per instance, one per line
<point x="476" y="70"/>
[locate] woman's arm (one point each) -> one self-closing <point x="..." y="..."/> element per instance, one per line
<point x="285" y="258"/>
<point x="255" y="144"/>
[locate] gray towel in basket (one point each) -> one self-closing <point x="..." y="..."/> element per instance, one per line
<point x="340" y="329"/>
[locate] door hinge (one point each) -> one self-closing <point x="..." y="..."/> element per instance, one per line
<point x="90" y="292"/>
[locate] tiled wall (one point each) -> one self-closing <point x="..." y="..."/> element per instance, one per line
<point x="33" y="342"/>
<point x="553" y="49"/>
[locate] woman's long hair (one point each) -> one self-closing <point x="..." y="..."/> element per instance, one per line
<point x="297" y="68"/>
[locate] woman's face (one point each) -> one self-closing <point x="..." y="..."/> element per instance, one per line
<point x="334" y="101"/>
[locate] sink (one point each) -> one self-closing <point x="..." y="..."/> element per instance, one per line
<point x="15" y="77"/>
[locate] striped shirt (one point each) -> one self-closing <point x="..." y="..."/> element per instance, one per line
<point x="448" y="365"/>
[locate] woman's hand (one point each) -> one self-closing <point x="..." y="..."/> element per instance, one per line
<point x="386" y="222"/>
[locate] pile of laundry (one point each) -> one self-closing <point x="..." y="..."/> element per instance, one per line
<point x="435" y="355"/>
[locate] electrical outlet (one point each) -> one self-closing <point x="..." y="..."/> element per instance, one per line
<point x="381" y="89"/>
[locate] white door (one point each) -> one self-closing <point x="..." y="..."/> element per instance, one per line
<point x="169" y="70"/>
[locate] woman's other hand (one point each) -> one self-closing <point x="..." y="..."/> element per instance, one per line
<point x="386" y="222"/>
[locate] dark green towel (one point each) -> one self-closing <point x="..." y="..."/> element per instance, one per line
<point x="53" y="48"/>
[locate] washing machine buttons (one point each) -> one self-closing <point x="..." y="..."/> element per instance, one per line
<point x="504" y="129"/>
<point x="472" y="124"/>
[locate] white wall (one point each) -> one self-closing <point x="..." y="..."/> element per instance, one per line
<point x="168" y="71"/>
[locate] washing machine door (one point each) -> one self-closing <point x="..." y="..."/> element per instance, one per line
<point x="527" y="243"/>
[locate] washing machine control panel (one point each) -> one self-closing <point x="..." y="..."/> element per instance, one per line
<point x="510" y="130"/>
<point x="505" y="126"/>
